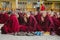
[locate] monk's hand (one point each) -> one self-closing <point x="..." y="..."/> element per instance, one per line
<point x="42" y="19"/>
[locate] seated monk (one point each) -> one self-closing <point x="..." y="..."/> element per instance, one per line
<point x="23" y="22"/>
<point x="32" y="23"/>
<point x="45" y="22"/>
<point x="3" y="17"/>
<point x="56" y="24"/>
<point x="12" y="25"/>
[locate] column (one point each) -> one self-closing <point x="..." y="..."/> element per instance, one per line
<point x="16" y="3"/>
<point x="53" y="5"/>
<point x="0" y="4"/>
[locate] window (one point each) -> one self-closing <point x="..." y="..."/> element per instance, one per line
<point x="22" y="5"/>
<point x="57" y="5"/>
<point x="6" y="4"/>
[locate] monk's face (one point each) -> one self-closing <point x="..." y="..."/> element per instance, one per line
<point x="25" y="15"/>
<point x="16" y="15"/>
<point x="44" y="14"/>
<point x="35" y="13"/>
<point x="28" y="15"/>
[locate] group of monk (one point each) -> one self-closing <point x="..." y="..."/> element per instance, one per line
<point x="15" y="22"/>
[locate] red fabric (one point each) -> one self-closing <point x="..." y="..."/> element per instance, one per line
<point x="49" y="24"/>
<point x="15" y="23"/>
<point x="38" y="18"/>
<point x="12" y="25"/>
<point x="46" y="25"/>
<point x="57" y="25"/>
<point x="6" y="17"/>
<point x="32" y="23"/>
<point x="58" y="19"/>
<point x="23" y="28"/>
<point x="23" y="25"/>
<point x="42" y="8"/>
<point x="3" y="18"/>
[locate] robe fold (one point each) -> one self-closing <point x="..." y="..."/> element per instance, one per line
<point x="38" y="18"/>
<point x="12" y="25"/>
<point x="15" y="23"/>
<point x="58" y="19"/>
<point x="57" y="25"/>
<point x="20" y="19"/>
<point x="3" y="18"/>
<point x="23" y="25"/>
<point x="46" y="25"/>
<point x="49" y="24"/>
<point x="32" y="23"/>
<point x="6" y="17"/>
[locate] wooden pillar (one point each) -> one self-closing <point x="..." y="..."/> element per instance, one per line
<point x="0" y="4"/>
<point x="16" y="3"/>
<point x="13" y="4"/>
<point x="53" y="4"/>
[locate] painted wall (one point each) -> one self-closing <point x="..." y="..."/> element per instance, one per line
<point x="12" y="1"/>
<point x="28" y="6"/>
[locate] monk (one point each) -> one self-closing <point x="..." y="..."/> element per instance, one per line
<point x="12" y="25"/>
<point x="6" y="17"/>
<point x="6" y="29"/>
<point x="56" y="24"/>
<point x="3" y="17"/>
<point x="58" y="16"/>
<point x="23" y="22"/>
<point x="32" y="23"/>
<point x="42" y="8"/>
<point x="38" y="18"/>
<point x="45" y="22"/>
<point x="20" y="18"/>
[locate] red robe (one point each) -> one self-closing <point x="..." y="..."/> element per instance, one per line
<point x="6" y="17"/>
<point x="12" y="25"/>
<point x="42" y="8"/>
<point x="21" y="20"/>
<point x="46" y="25"/>
<point x="58" y="19"/>
<point x="38" y="18"/>
<point x="15" y="23"/>
<point x="23" y="25"/>
<point x="57" y="25"/>
<point x="32" y="23"/>
<point x="49" y="24"/>
<point x="3" y="18"/>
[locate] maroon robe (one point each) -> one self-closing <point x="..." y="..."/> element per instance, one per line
<point x="6" y="17"/>
<point x="15" y="23"/>
<point x="23" y="24"/>
<point x="32" y="23"/>
<point x="21" y="20"/>
<point x="49" y="24"/>
<point x="3" y="18"/>
<point x="12" y="25"/>
<point x="38" y="18"/>
<point x="46" y="25"/>
<point x="58" y="19"/>
<point x="57" y="25"/>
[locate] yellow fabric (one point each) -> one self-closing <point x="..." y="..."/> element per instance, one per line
<point x="48" y="33"/>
